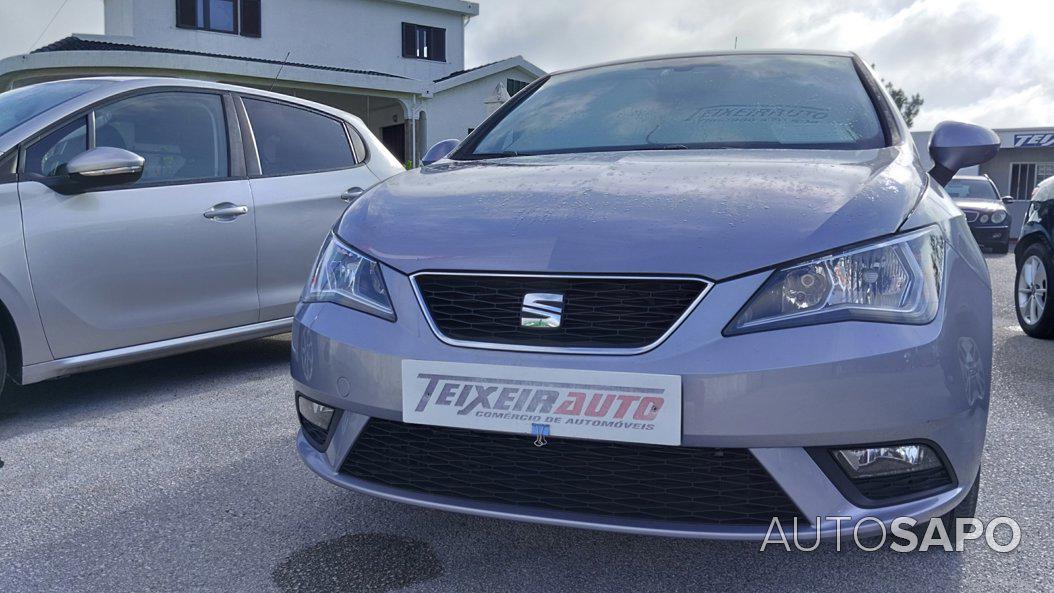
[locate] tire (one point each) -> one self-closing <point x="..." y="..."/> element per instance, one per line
<point x="1035" y="311"/>
<point x="3" y="368"/>
<point x="966" y="509"/>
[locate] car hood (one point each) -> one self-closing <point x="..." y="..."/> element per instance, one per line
<point x="980" y="205"/>
<point x="711" y="213"/>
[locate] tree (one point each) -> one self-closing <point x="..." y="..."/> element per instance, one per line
<point x="909" y="106"/>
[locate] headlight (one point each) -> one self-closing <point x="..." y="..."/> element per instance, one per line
<point x="998" y="217"/>
<point x="346" y="277"/>
<point x="896" y="280"/>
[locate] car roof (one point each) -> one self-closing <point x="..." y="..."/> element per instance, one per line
<point x="127" y="83"/>
<point x="973" y="177"/>
<point x="121" y="84"/>
<point x="703" y="54"/>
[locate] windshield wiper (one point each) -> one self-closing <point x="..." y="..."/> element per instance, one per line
<point x="662" y="147"/>
<point x="495" y="155"/>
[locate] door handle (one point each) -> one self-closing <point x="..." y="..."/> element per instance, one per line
<point x="352" y="194"/>
<point x="225" y="212"/>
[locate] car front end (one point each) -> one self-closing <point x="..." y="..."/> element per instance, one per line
<point x="603" y="340"/>
<point x="989" y="223"/>
<point x="989" y="220"/>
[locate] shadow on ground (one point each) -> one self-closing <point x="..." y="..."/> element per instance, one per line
<point x="100" y="393"/>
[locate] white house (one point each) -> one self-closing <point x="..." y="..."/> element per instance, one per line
<point x="397" y="64"/>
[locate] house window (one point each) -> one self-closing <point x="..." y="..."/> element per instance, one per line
<point x="514" y="86"/>
<point x="238" y="17"/>
<point x="424" y="43"/>
<point x="1024" y="177"/>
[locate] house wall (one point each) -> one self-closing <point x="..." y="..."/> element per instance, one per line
<point x="358" y="34"/>
<point x="455" y="110"/>
<point x="999" y="167"/>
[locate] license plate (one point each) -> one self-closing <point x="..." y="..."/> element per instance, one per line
<point x="599" y="405"/>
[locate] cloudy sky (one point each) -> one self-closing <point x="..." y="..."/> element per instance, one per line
<point x="991" y="62"/>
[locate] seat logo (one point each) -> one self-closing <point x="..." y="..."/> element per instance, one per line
<point x="542" y="310"/>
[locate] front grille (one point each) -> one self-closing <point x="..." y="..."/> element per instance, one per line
<point x="597" y="312"/>
<point x="677" y="484"/>
<point x="901" y="485"/>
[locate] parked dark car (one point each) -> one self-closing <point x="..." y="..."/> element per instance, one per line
<point x="988" y="218"/>
<point x="1035" y="262"/>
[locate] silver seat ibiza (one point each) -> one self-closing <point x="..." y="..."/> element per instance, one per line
<point x="681" y="296"/>
<point x="141" y="217"/>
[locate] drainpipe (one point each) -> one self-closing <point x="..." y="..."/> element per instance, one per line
<point x="413" y="131"/>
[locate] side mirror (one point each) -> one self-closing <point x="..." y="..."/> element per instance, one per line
<point x="439" y="151"/>
<point x="99" y="167"/>
<point x="105" y="161"/>
<point x="1008" y="199"/>
<point x="955" y="145"/>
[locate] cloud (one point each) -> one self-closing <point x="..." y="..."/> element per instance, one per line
<point x="972" y="60"/>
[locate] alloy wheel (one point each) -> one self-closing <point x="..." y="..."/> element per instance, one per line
<point x="1032" y="290"/>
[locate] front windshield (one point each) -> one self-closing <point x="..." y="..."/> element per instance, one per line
<point x="20" y="105"/>
<point x="971" y="189"/>
<point x="728" y="101"/>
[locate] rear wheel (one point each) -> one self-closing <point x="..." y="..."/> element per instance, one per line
<point x="1034" y="312"/>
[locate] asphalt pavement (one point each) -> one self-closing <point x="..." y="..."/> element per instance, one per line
<point x="181" y="475"/>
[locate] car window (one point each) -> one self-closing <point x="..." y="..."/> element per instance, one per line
<point x="46" y="156"/>
<point x="9" y="167"/>
<point x="291" y="140"/>
<point x="732" y="101"/>
<point x="973" y="189"/>
<point x="22" y="104"/>
<point x="182" y="136"/>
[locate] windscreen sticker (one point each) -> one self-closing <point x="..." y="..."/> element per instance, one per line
<point x="798" y="114"/>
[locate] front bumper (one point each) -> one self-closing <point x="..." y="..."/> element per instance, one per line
<point x="774" y="393"/>
<point x="991" y="235"/>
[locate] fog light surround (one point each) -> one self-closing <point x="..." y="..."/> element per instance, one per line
<point x="316" y="420"/>
<point x="884" y="474"/>
<point x="872" y="462"/>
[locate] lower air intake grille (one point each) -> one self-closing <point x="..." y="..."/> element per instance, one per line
<point x="680" y="484"/>
<point x="895" y="486"/>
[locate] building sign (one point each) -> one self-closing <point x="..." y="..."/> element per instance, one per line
<point x="1034" y="140"/>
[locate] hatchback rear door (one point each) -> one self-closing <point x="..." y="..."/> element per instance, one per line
<point x="304" y="166"/>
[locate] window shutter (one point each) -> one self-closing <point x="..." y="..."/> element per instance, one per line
<point x="187" y="14"/>
<point x="439" y="45"/>
<point x="409" y="41"/>
<point x="250" y="18"/>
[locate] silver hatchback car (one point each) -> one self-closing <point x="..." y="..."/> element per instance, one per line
<point x="144" y="217"/>
<point x="680" y="296"/>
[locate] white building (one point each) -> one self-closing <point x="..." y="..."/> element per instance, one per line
<point x="397" y="64"/>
